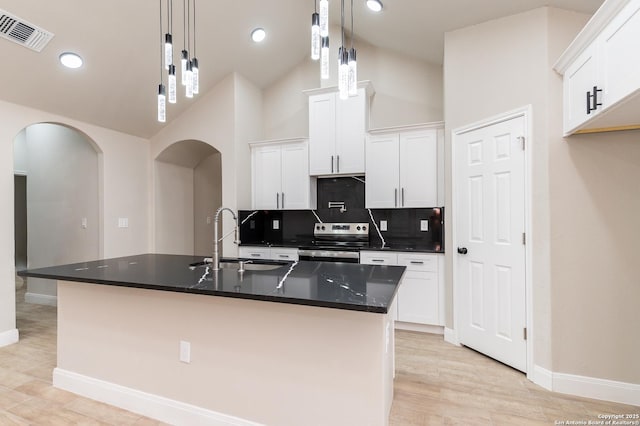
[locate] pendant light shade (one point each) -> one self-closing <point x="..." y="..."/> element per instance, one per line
<point x="324" y="18"/>
<point x="168" y="50"/>
<point x="195" y="76"/>
<point x="315" y="36"/>
<point x="183" y="67"/>
<point x="189" y="80"/>
<point x="353" y="73"/>
<point x="324" y="59"/>
<point x="343" y="73"/>
<point x="172" y="89"/>
<point x="162" y="104"/>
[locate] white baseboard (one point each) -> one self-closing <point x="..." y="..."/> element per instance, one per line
<point x="591" y="387"/>
<point x="150" y="405"/>
<point x="541" y="377"/>
<point x="422" y="328"/>
<point x="41" y="299"/>
<point x="9" y="337"/>
<point x="450" y="336"/>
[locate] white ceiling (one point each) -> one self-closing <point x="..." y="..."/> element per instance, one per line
<point x="119" y="41"/>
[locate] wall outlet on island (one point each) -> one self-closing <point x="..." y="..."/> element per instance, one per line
<point x="276" y="224"/>
<point x="424" y="225"/>
<point x="383" y="225"/>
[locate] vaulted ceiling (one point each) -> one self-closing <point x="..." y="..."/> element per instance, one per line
<point x="119" y="41"/>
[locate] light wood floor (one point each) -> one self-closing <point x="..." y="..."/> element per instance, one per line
<point x="436" y="384"/>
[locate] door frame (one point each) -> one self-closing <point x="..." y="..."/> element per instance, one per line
<point x="526" y="112"/>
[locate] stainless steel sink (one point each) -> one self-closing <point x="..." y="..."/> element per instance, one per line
<point x="249" y="265"/>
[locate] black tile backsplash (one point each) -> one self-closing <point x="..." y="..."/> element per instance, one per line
<point x="295" y="227"/>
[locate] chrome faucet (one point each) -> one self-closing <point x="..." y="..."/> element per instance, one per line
<point x="216" y="240"/>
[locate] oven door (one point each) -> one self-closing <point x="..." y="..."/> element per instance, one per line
<point x="348" y="256"/>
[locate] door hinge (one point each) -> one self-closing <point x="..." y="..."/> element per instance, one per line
<point x="524" y="238"/>
<point x="525" y="333"/>
<point x="522" y="141"/>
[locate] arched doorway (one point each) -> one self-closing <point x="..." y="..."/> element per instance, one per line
<point x="58" y="199"/>
<point x="187" y="192"/>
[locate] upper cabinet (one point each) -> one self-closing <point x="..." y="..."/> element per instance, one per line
<point x="280" y="175"/>
<point x="337" y="130"/>
<point x="404" y="167"/>
<point x="601" y="82"/>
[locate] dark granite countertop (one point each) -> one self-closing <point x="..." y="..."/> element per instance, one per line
<point x="347" y="286"/>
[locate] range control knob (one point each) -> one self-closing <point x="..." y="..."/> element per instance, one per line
<point x="364" y="228"/>
<point x="323" y="228"/>
<point x="358" y="228"/>
<point x="317" y="228"/>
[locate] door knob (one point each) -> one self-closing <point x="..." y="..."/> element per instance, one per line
<point x="462" y="250"/>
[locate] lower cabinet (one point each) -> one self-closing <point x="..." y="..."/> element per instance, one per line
<point x="421" y="294"/>
<point x="268" y="253"/>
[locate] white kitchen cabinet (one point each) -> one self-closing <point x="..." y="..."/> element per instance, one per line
<point x="280" y="175"/>
<point x="404" y="168"/>
<point x="268" y="253"/>
<point x="420" y="297"/>
<point x="337" y="130"/>
<point x="601" y="85"/>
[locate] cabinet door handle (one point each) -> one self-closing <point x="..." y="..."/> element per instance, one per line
<point x="337" y="164"/>
<point x="395" y="196"/>
<point x="377" y="260"/>
<point x="283" y="200"/>
<point x="417" y="262"/>
<point x="255" y="254"/>
<point x="332" y="164"/>
<point x="277" y="200"/>
<point x="285" y="256"/>
<point x="592" y="99"/>
<point x="402" y="194"/>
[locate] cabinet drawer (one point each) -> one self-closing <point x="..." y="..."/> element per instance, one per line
<point x="419" y="262"/>
<point x="290" y="254"/>
<point x="254" y="252"/>
<point x="378" y="258"/>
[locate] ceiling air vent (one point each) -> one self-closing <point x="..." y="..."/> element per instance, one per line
<point x="22" y="32"/>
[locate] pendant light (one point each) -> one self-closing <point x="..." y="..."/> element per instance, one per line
<point x="188" y="75"/>
<point x="352" y="64"/>
<point x="324" y="18"/>
<point x="168" y="38"/>
<point x="315" y="33"/>
<point x="185" y="54"/>
<point x="162" y="103"/>
<point x="195" y="71"/>
<point x="172" y="89"/>
<point x="343" y="61"/>
<point x="324" y="58"/>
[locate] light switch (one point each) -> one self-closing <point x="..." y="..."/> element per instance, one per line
<point x="208" y="220"/>
<point x="383" y="225"/>
<point x="276" y="224"/>
<point x="424" y="225"/>
<point x="83" y="223"/>
<point x="185" y="351"/>
<point x="123" y="222"/>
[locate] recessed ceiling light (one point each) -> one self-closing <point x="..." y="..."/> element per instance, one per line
<point x="70" y="60"/>
<point x="258" y="35"/>
<point x="375" y="5"/>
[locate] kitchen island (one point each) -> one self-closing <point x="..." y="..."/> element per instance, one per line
<point x="303" y="343"/>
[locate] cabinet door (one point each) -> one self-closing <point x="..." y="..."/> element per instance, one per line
<point x="295" y="177"/>
<point x="378" y="258"/>
<point x="620" y="76"/>
<point x="250" y="252"/>
<point x="322" y="134"/>
<point x="579" y="79"/>
<point x="419" y="169"/>
<point x="351" y="117"/>
<point x="266" y="177"/>
<point x="284" y="253"/>
<point x="418" y="298"/>
<point x="382" y="173"/>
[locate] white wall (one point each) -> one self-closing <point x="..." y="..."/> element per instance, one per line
<point x="207" y="187"/>
<point x="125" y="193"/>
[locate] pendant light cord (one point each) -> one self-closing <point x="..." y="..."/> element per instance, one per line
<point x="194" y="28"/>
<point x="315" y="9"/>
<point x="342" y="20"/>
<point x="352" y="24"/>
<point x="188" y="25"/>
<point x="161" y="52"/>
<point x="184" y="24"/>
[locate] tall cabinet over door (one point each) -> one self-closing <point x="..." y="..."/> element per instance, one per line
<point x="337" y="130"/>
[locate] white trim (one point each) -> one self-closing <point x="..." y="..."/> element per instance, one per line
<point x="421" y="328"/>
<point x="149" y="405"/>
<point x="591" y="387"/>
<point x="9" y="337"/>
<point x="366" y="84"/>
<point x="450" y="336"/>
<point x="541" y="377"/>
<point x="41" y="299"/>
<point x="410" y="127"/>
<point x="276" y="141"/>
<point x="527" y="113"/>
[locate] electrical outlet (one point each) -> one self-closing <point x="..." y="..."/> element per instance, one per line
<point x="208" y="220"/>
<point x="424" y="225"/>
<point x="252" y="224"/>
<point x="123" y="222"/>
<point x="185" y="351"/>
<point x="276" y="224"/>
<point x="83" y="223"/>
<point x="383" y="225"/>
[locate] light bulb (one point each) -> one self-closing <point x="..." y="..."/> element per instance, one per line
<point x="343" y="73"/>
<point x="315" y="36"/>
<point x="324" y="59"/>
<point x="374" y="5"/>
<point x="353" y="73"/>
<point x="168" y="50"/>
<point x="195" y="78"/>
<point x="183" y="67"/>
<point x="172" y="84"/>
<point x="162" y="104"/>
<point x="189" y="85"/>
<point x="324" y="18"/>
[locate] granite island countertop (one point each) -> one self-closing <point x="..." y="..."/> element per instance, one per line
<point x="369" y="288"/>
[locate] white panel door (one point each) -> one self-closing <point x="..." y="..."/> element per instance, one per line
<point x="620" y="76"/>
<point x="382" y="174"/>
<point x="295" y="177"/>
<point x="490" y="214"/>
<point x="350" y="133"/>
<point x="322" y="134"/>
<point x="419" y="169"/>
<point x="267" y="177"/>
